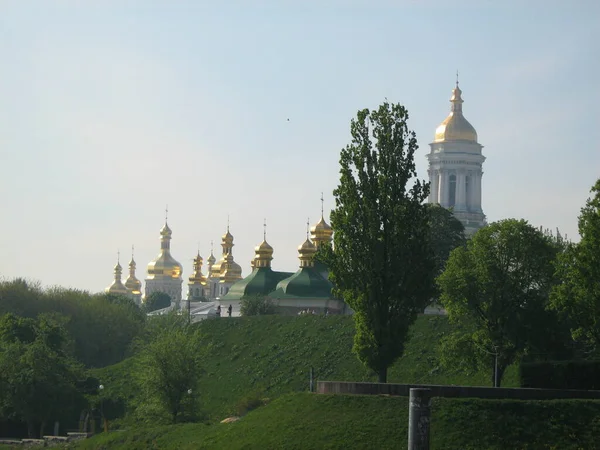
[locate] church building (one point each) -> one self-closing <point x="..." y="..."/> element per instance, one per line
<point x="455" y="173"/>
<point x="455" y="167"/>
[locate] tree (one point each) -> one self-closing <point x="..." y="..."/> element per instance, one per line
<point x="256" y="305"/>
<point x="577" y="296"/>
<point x="38" y="378"/>
<point x="157" y="300"/>
<point x="382" y="263"/>
<point x="496" y="290"/>
<point x="170" y="368"/>
<point x="446" y="234"/>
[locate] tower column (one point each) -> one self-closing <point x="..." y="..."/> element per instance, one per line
<point x="478" y="191"/>
<point x="444" y="188"/>
<point x="461" y="191"/>
<point x="434" y="177"/>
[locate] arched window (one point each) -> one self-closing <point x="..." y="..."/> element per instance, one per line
<point x="452" y="191"/>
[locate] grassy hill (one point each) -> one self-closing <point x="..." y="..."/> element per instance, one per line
<point x="302" y="420"/>
<point x="268" y="356"/>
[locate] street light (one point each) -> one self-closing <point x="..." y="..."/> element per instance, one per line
<point x="101" y="387"/>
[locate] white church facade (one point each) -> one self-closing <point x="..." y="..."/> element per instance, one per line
<point x="456" y="167"/>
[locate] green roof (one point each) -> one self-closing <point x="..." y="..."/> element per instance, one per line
<point x="261" y="281"/>
<point x="306" y="283"/>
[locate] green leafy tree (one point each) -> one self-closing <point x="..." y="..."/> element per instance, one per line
<point x="157" y="300"/>
<point x="446" y="234"/>
<point x="38" y="378"/>
<point x="256" y="305"/>
<point x="496" y="290"/>
<point x="577" y="296"/>
<point x="382" y="263"/>
<point x="170" y="369"/>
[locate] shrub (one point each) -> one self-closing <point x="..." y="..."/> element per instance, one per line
<point x="560" y="375"/>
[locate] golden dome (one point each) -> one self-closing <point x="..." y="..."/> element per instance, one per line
<point x="455" y="127"/>
<point x="132" y="282"/>
<point x="165" y="230"/>
<point x="227" y="237"/>
<point x="263" y="248"/>
<point x="263" y="254"/>
<point x="197" y="275"/>
<point x="211" y="259"/>
<point x="306" y="251"/>
<point x="321" y="232"/>
<point x="230" y="270"/>
<point x="164" y="265"/>
<point x="117" y="286"/>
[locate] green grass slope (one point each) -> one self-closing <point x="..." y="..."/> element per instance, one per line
<point x="267" y="356"/>
<point x="309" y="421"/>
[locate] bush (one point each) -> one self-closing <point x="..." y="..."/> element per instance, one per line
<point x="248" y="403"/>
<point x="560" y="375"/>
<point x="256" y="305"/>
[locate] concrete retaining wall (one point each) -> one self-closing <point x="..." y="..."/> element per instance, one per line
<point x="342" y="387"/>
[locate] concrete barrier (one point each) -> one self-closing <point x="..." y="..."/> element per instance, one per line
<point x="345" y="387"/>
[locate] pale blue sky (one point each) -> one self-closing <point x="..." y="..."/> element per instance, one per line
<point x="111" y="109"/>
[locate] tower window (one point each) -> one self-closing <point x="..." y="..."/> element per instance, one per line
<point x="452" y="191"/>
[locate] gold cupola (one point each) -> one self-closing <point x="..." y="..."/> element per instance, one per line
<point x="455" y="127"/>
<point x="306" y="252"/>
<point x="132" y="283"/>
<point x="263" y="252"/>
<point x="164" y="265"/>
<point x="117" y="286"/>
<point x="227" y="269"/>
<point x="197" y="275"/>
<point x="321" y="232"/>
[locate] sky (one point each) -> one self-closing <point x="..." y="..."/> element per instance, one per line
<point x="112" y="109"/>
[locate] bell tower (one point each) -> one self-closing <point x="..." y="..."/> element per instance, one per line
<point x="455" y="167"/>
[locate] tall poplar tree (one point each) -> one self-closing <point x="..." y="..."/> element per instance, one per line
<point x="382" y="264"/>
<point x="577" y="296"/>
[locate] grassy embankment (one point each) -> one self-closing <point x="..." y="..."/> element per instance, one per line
<point x="271" y="355"/>
<point x="307" y="421"/>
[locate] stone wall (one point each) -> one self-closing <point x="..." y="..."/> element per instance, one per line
<point x="342" y="387"/>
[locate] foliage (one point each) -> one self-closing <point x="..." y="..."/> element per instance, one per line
<point x="305" y="420"/>
<point x="577" y="297"/>
<point x="157" y="300"/>
<point x="249" y="402"/>
<point x="38" y="377"/>
<point x="169" y="370"/>
<point x="496" y="290"/>
<point x="273" y="355"/>
<point x="256" y="305"/>
<point x="101" y="326"/>
<point x="446" y="234"/>
<point x="382" y="264"/>
<point x="560" y="374"/>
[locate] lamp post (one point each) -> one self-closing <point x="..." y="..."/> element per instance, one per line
<point x="104" y="422"/>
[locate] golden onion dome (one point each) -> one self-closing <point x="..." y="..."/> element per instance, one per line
<point x="263" y="254"/>
<point x="211" y="259"/>
<point x="455" y="127"/>
<point x="322" y="231"/>
<point x="306" y="252"/>
<point x="307" y="247"/>
<point x="165" y="230"/>
<point x="117" y="286"/>
<point x="230" y="270"/>
<point x="263" y="248"/>
<point x="164" y="265"/>
<point x="227" y="237"/>
<point x="132" y="282"/>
